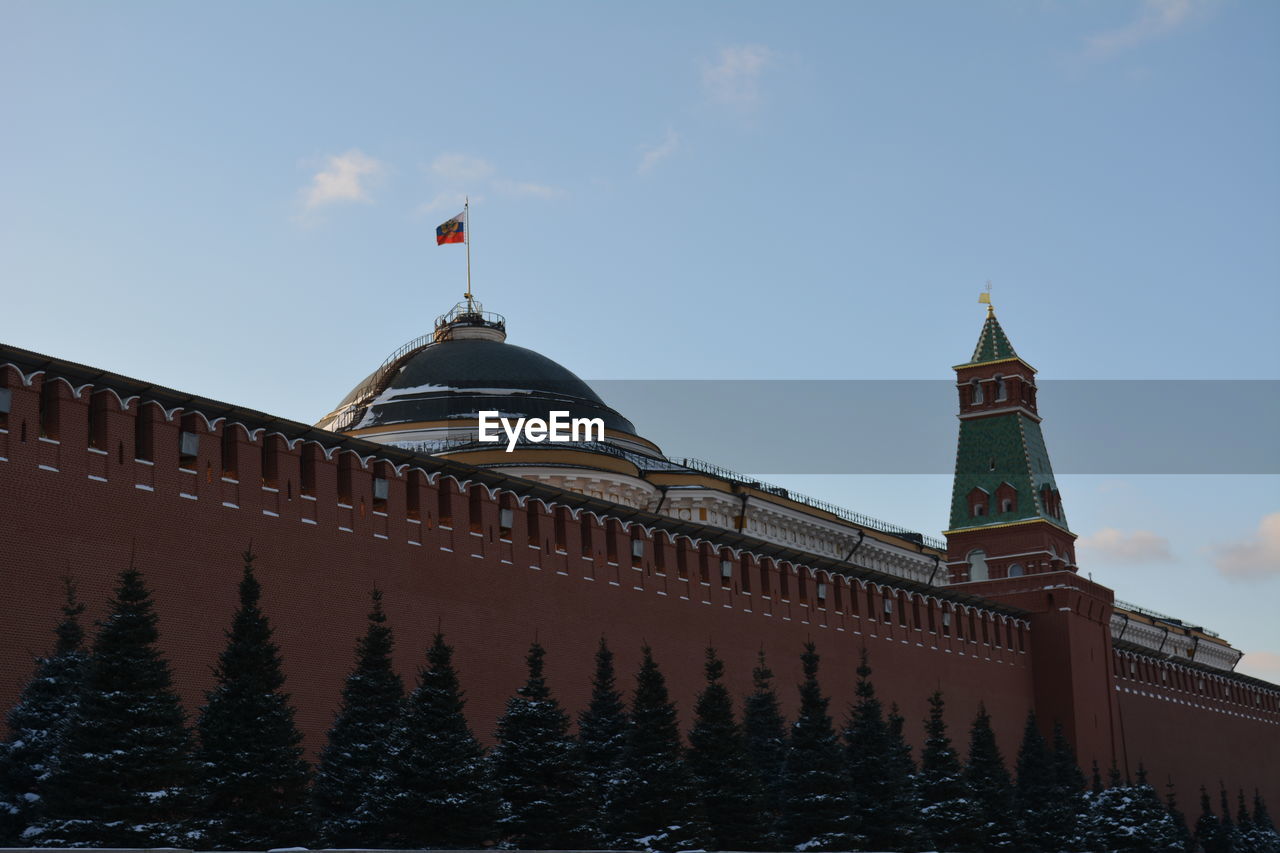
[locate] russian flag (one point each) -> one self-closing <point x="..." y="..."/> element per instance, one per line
<point x="453" y="231"/>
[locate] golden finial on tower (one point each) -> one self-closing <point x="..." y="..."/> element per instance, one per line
<point x="985" y="298"/>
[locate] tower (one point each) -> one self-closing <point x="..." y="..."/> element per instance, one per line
<point x="1006" y="511"/>
<point x="1008" y="541"/>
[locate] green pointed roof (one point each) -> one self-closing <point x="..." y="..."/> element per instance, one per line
<point x="1008" y="450"/>
<point x="993" y="343"/>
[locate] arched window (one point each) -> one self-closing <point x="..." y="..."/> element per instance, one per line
<point x="978" y="565"/>
<point x="1015" y="571"/>
<point x="1006" y="505"/>
<point x="979" y="509"/>
<point x="975" y="392"/>
<point x="1002" y="391"/>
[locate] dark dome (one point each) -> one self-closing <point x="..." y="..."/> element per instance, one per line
<point x="455" y="379"/>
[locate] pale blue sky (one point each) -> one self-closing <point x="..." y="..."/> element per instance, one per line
<point x="238" y="200"/>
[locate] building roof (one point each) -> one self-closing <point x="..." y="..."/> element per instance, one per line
<point x="465" y="367"/>
<point x="456" y="379"/>
<point x="993" y="343"/>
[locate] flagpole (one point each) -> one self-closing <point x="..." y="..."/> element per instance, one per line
<point x="466" y="218"/>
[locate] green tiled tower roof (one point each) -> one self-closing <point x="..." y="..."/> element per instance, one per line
<point x="993" y="344"/>
<point x="1007" y="448"/>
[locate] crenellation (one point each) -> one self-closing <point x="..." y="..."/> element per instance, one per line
<point x="458" y="544"/>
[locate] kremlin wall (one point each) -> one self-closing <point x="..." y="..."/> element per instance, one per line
<point x="566" y="544"/>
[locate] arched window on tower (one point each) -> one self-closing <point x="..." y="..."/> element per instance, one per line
<point x="1002" y="390"/>
<point x="977" y="501"/>
<point x="1015" y="571"/>
<point x="978" y="565"/>
<point x="975" y="392"/>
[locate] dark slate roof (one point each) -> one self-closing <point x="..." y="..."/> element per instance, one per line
<point x="456" y="379"/>
<point x="993" y="343"/>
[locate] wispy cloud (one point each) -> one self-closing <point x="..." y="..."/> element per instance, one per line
<point x="457" y="174"/>
<point x="444" y="201"/>
<point x="1135" y="546"/>
<point x="527" y="189"/>
<point x="345" y="177"/>
<point x="734" y="78"/>
<point x="461" y="168"/>
<point x="1155" y="18"/>
<point x="1260" y="664"/>
<point x="1255" y="558"/>
<point x="664" y="149"/>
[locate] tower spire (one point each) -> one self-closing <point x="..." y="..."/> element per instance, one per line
<point x="1006" y="511"/>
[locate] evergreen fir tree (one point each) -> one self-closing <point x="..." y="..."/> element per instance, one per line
<point x="722" y="774"/>
<point x="534" y="768"/>
<point x="1107" y="818"/>
<point x="1210" y="833"/>
<point x="882" y="817"/>
<point x="1261" y="817"/>
<point x="1186" y="844"/>
<point x="905" y="811"/>
<point x="1244" y="823"/>
<point x="371" y="700"/>
<point x="124" y="767"/>
<point x="253" y="779"/>
<point x="947" y="814"/>
<point x="868" y="763"/>
<point x="601" y="740"/>
<point x="1035" y="788"/>
<point x="765" y="731"/>
<point x="431" y="789"/>
<point x="989" y="785"/>
<point x="1254" y="838"/>
<point x="1143" y="822"/>
<point x="1068" y="807"/>
<point x="36" y="723"/>
<point x="1263" y="837"/>
<point x="815" y="800"/>
<point x="654" y="806"/>
<point x="1229" y="829"/>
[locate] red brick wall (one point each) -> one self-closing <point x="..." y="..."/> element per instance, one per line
<point x="317" y="560"/>
<point x="69" y="510"/>
<point x="1198" y="728"/>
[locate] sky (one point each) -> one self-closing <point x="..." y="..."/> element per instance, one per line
<point x="239" y="200"/>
